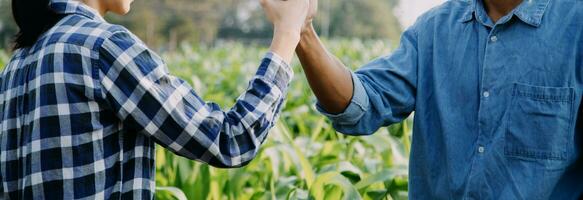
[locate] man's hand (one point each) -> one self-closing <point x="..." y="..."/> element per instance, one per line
<point x="288" y="18"/>
<point x="312" y="12"/>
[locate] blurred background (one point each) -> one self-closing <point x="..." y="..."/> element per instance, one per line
<point x="216" y="46"/>
<point x="164" y="24"/>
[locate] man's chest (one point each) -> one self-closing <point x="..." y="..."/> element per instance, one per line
<point x="506" y="54"/>
<point x="522" y="84"/>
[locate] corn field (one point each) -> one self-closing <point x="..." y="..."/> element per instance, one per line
<point x="303" y="157"/>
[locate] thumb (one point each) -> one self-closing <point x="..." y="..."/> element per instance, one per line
<point x="265" y="3"/>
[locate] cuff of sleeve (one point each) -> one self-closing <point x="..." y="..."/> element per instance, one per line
<point x="358" y="106"/>
<point x="275" y="70"/>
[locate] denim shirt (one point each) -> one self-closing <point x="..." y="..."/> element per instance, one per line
<point x="498" y="111"/>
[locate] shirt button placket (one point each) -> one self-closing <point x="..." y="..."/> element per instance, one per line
<point x="485" y="94"/>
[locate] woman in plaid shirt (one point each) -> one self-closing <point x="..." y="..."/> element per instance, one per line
<point x="82" y="103"/>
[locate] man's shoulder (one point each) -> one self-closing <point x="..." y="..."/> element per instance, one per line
<point x="566" y="7"/>
<point x="564" y="15"/>
<point x="451" y="9"/>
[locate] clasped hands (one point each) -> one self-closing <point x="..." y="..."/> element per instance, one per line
<point x="289" y="18"/>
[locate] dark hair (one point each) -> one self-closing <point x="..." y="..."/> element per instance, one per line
<point x="33" y="17"/>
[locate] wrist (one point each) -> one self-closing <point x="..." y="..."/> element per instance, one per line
<point x="286" y="31"/>
<point x="284" y="43"/>
<point x="307" y="28"/>
<point x="308" y="37"/>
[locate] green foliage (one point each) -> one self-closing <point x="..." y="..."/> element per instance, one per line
<point x="3" y="59"/>
<point x="168" y="22"/>
<point x="362" y="19"/>
<point x="336" y="19"/>
<point x="164" y="24"/>
<point x="303" y="157"/>
<point x="7" y="26"/>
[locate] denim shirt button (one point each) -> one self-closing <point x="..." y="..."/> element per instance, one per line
<point x="486" y="94"/>
<point x="494" y="38"/>
<point x="481" y="149"/>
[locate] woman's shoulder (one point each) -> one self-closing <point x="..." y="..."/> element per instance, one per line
<point x="79" y="31"/>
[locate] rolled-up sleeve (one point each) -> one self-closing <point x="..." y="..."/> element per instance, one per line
<point x="358" y="106"/>
<point x="384" y="91"/>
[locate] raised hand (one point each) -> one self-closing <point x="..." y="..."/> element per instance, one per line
<point x="312" y="12"/>
<point x="328" y="77"/>
<point x="288" y="18"/>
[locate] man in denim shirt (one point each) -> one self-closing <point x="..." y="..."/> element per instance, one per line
<point x="496" y="88"/>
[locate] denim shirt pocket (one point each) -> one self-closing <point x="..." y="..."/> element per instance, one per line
<point x="539" y="122"/>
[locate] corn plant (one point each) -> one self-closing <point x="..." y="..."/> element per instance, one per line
<point x="303" y="157"/>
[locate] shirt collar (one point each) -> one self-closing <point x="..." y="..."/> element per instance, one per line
<point x="529" y="11"/>
<point x="74" y="7"/>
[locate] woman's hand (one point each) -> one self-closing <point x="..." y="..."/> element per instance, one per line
<point x="288" y="18"/>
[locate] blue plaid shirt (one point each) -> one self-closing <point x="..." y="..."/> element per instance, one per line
<point x="82" y="109"/>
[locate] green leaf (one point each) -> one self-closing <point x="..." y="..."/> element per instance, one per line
<point x="317" y="191"/>
<point x="382" y="176"/>
<point x="305" y="164"/>
<point x="377" y="194"/>
<point x="175" y="192"/>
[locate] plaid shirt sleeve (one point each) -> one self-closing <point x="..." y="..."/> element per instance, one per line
<point x="137" y="85"/>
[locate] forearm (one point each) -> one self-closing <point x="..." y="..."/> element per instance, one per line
<point x="167" y="109"/>
<point x="329" y="79"/>
<point x="180" y="120"/>
<point x="245" y="126"/>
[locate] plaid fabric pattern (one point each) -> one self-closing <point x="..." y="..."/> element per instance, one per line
<point x="82" y="109"/>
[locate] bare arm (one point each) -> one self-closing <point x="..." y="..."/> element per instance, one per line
<point x="380" y="93"/>
<point x="329" y="79"/>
